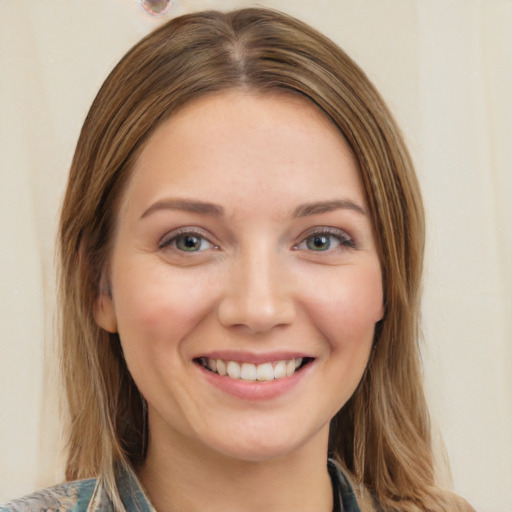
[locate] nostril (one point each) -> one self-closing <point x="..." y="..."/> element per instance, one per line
<point x="252" y="314"/>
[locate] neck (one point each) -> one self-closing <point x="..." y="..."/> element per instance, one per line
<point x="181" y="477"/>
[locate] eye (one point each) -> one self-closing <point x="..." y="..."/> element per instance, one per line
<point x="186" y="241"/>
<point x="325" y="240"/>
<point x="320" y="242"/>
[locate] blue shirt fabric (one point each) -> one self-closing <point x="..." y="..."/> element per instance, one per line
<point x="90" y="496"/>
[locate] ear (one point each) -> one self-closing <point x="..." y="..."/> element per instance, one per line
<point x="104" y="311"/>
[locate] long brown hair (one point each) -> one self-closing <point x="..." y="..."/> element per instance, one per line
<point x="382" y="435"/>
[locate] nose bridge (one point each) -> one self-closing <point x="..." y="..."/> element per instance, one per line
<point x="257" y="295"/>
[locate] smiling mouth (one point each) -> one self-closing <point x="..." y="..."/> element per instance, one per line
<point x="254" y="372"/>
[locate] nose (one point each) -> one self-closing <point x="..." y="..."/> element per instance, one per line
<point x="258" y="296"/>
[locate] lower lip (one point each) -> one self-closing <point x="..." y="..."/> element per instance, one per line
<point x="255" y="390"/>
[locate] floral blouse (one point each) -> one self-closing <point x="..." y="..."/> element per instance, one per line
<point x="90" y="496"/>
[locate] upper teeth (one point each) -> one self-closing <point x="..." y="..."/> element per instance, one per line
<point x="252" y="372"/>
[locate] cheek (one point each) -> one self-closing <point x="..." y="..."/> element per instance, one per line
<point x="348" y="306"/>
<point x="155" y="305"/>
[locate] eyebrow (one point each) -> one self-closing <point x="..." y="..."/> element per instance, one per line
<point x="327" y="206"/>
<point x="205" y="208"/>
<point x="185" y="205"/>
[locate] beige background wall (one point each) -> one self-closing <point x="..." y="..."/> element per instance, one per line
<point x="445" y="67"/>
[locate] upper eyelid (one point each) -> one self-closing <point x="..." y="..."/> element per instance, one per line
<point x="329" y="230"/>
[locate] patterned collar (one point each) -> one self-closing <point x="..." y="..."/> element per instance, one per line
<point x="91" y="496"/>
<point x="135" y="499"/>
<point x="344" y="497"/>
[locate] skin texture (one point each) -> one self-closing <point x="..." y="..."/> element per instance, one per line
<point x="255" y="288"/>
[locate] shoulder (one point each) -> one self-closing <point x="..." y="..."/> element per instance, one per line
<point x="67" y="497"/>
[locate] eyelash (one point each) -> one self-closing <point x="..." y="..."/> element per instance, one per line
<point x="344" y="240"/>
<point x="172" y="239"/>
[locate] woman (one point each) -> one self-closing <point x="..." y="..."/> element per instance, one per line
<point x="241" y="244"/>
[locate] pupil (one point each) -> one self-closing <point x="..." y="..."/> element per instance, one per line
<point x="190" y="243"/>
<point x="319" y="243"/>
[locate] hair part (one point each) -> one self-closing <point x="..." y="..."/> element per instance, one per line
<point x="382" y="435"/>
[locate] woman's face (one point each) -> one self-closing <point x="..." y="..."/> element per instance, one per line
<point x="244" y="245"/>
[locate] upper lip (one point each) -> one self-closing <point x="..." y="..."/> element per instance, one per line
<point x="251" y="357"/>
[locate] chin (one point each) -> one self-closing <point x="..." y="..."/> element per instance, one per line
<point x="264" y="446"/>
<point x="259" y="453"/>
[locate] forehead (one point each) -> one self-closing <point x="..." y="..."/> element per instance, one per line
<point x="233" y="145"/>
